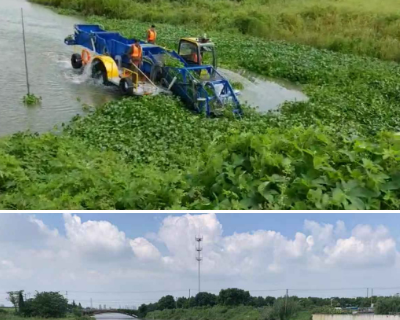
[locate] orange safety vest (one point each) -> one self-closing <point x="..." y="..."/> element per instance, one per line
<point x="136" y="52"/>
<point x="151" y="35"/>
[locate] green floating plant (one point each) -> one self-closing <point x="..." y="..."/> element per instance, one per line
<point x="30" y="99"/>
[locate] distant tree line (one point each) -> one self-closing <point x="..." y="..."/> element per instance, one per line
<point x="387" y="305"/>
<point x="236" y="297"/>
<point x="227" y="297"/>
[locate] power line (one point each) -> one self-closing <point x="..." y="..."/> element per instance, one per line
<point x="115" y="300"/>
<point x="251" y="290"/>
<point x="129" y="292"/>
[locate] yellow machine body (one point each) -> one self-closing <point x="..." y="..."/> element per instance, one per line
<point x="110" y="65"/>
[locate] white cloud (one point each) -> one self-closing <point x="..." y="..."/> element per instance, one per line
<point x="43" y="228"/>
<point x="94" y="235"/>
<point x="8" y="270"/>
<point x="366" y="247"/>
<point x="144" y="250"/>
<point x="322" y="234"/>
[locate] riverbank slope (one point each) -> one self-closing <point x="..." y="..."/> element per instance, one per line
<point x="220" y="313"/>
<point x="349" y="26"/>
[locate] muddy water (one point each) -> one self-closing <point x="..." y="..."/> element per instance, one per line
<point x="261" y="93"/>
<point x="51" y="75"/>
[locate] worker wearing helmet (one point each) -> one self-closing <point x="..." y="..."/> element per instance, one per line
<point x="152" y="35"/>
<point x="136" y="53"/>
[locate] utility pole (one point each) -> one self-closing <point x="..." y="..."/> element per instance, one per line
<point x="372" y="294"/>
<point x="199" y="258"/>
<point x="367" y="292"/>
<point x="26" y="61"/>
<point x="91" y="303"/>
<point x="287" y="293"/>
<point x="66" y="294"/>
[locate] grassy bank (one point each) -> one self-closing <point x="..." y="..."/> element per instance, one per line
<point x="214" y="313"/>
<point x="350" y="26"/>
<point x="11" y="316"/>
<point x="7" y="311"/>
<point x="220" y="313"/>
<point x="336" y="151"/>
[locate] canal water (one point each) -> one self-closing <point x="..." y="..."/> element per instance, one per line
<point x="63" y="90"/>
<point x="113" y="316"/>
<point x="50" y="72"/>
<point x="264" y="94"/>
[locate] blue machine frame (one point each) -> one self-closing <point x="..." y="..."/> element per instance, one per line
<point x="200" y="94"/>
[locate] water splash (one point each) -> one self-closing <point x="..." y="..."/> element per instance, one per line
<point x="80" y="76"/>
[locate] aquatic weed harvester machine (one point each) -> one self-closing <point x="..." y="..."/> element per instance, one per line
<point x="184" y="73"/>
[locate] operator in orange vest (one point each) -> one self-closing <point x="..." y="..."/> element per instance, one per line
<point x="194" y="57"/>
<point x="152" y="35"/>
<point x="136" y="53"/>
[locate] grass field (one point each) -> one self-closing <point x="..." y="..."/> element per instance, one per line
<point x="351" y="26"/>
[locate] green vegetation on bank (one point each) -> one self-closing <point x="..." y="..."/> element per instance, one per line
<point x="6" y="310"/>
<point x="238" y="303"/>
<point x="208" y="313"/>
<point x="350" y="26"/>
<point x="295" y="310"/>
<point x="228" y="304"/>
<point x="44" y="305"/>
<point x="339" y="150"/>
<point x="222" y="313"/>
<point x="17" y="317"/>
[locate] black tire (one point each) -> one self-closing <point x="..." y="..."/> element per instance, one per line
<point x="76" y="61"/>
<point x="99" y="71"/>
<point x="126" y="86"/>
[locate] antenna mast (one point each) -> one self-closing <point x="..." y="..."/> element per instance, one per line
<point x="199" y="248"/>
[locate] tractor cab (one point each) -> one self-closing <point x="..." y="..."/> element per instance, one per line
<point x="198" y="51"/>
